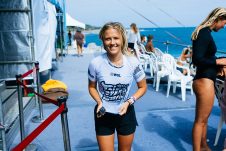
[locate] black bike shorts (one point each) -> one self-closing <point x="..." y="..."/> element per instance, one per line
<point x="108" y="123"/>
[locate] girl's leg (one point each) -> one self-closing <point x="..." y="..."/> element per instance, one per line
<point x="79" y="50"/>
<point x="106" y="142"/>
<point x="204" y="145"/>
<point x="125" y="142"/>
<point x="204" y="104"/>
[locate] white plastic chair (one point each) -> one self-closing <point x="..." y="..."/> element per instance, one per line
<point x="157" y="69"/>
<point x="219" y="88"/>
<point x="159" y="53"/>
<point x="143" y="59"/>
<point x="93" y="47"/>
<point x="163" y="69"/>
<point x="155" y="62"/>
<point x="178" y="78"/>
<point x="151" y="58"/>
<point x="153" y="66"/>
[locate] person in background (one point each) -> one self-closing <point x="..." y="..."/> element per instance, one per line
<point x="143" y="40"/>
<point x="113" y="73"/>
<point x="133" y="37"/>
<point x="204" y="50"/>
<point x="185" y="58"/>
<point x="69" y="38"/>
<point x="149" y="46"/>
<point x="79" y="38"/>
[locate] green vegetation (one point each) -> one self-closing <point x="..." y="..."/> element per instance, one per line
<point x="90" y="27"/>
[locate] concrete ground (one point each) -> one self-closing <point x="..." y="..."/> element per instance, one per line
<point x="164" y="123"/>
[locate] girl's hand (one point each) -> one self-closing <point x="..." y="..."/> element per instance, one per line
<point x="124" y="108"/>
<point x="99" y="106"/>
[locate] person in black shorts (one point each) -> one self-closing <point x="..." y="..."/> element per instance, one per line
<point x="133" y="38"/>
<point x="69" y="38"/>
<point x="204" y="50"/>
<point x="110" y="78"/>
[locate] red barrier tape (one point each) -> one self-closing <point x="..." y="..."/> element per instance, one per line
<point x="42" y="96"/>
<point x="38" y="130"/>
<point x="27" y="73"/>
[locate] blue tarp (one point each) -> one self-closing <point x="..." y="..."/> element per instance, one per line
<point x="60" y="5"/>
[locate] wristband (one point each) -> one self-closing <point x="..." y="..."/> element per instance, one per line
<point x="131" y="100"/>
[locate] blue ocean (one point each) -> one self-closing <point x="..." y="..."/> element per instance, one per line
<point x="176" y="38"/>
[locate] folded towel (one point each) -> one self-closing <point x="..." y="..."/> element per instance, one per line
<point x="53" y="84"/>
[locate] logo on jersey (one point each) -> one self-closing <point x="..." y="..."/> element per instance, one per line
<point x="115" y="74"/>
<point x="113" y="93"/>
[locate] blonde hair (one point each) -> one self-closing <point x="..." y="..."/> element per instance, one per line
<point x="215" y="15"/>
<point x="119" y="27"/>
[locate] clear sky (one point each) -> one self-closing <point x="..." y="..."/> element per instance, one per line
<point x="163" y="13"/>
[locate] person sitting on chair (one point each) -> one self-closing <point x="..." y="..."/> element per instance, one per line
<point x="143" y="40"/>
<point x="184" y="59"/>
<point x="149" y="46"/>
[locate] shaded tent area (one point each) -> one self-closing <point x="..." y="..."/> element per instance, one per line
<point x="30" y="31"/>
<point x="38" y="34"/>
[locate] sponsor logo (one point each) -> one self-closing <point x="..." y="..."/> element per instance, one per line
<point x="113" y="92"/>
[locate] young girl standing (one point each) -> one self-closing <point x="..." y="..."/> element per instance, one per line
<point x="113" y="73"/>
